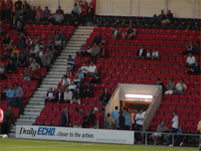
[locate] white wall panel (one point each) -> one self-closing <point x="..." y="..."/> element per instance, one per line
<point x="121" y="7"/>
<point x="181" y="8"/>
<point x="151" y="7"/>
<point x="103" y="7"/>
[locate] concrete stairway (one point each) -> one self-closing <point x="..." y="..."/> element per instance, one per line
<point x="53" y="77"/>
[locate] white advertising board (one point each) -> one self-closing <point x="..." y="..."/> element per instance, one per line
<point x="75" y="134"/>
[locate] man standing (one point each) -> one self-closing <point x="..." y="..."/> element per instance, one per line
<point x="175" y="125"/>
<point x="115" y="115"/>
<point x="139" y="118"/>
<point x="65" y="117"/>
<point x="10" y="94"/>
<point x="18" y="97"/>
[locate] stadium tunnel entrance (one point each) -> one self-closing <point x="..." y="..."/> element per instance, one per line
<point x="135" y="97"/>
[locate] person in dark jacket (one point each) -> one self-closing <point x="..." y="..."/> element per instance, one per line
<point x="121" y="121"/>
<point x="65" y="118"/>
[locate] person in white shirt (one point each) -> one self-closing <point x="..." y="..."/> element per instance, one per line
<point x="175" y="122"/>
<point x="190" y="60"/>
<point x="148" y="54"/>
<point x="65" y="82"/>
<point x="175" y="125"/>
<point x="139" y="118"/>
<point x="155" y="54"/>
<point x="72" y="86"/>
<point x="68" y="95"/>
<point x="180" y="87"/>
<point x="84" y="68"/>
<point x="91" y="69"/>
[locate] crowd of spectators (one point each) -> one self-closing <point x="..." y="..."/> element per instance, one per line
<point x="21" y="12"/>
<point x="163" y="21"/>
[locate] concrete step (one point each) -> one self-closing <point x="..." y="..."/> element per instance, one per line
<point x="66" y="52"/>
<point x="38" y="106"/>
<point x="57" y="72"/>
<point x="73" y="54"/>
<point x="36" y="99"/>
<point x="59" y="66"/>
<point x="31" y="117"/>
<point x="40" y="92"/>
<point x="80" y="36"/>
<point x="85" y="27"/>
<point x="77" y="42"/>
<point x="37" y="103"/>
<point x="32" y="113"/>
<point x="25" y="122"/>
<point x="49" y="86"/>
<point x="80" y="39"/>
<point x="52" y="79"/>
<point x="74" y="45"/>
<point x="82" y="33"/>
<point x="70" y="48"/>
<point x="27" y="109"/>
<point x="55" y="76"/>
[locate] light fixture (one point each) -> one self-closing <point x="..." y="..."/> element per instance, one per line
<point x="138" y="96"/>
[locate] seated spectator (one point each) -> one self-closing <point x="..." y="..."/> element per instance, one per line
<point x="2" y="72"/>
<point x="189" y="48"/>
<point x="130" y="33"/>
<point x="180" y="87"/>
<point x="28" y="74"/>
<point x="91" y="69"/>
<point x="157" y="135"/>
<point x="8" y="121"/>
<point x="197" y="48"/>
<point x="70" y="63"/>
<point x="148" y="54"/>
<point x="59" y="97"/>
<point x="45" y="14"/>
<point x="141" y="53"/>
<point x="105" y="97"/>
<point x="95" y="51"/>
<point x="195" y="69"/>
<point x="57" y="18"/>
<point x="88" y="51"/>
<point x="97" y="39"/>
<point x="77" y="95"/>
<point x="50" y="96"/>
<point x="102" y="50"/>
<point x="6" y="40"/>
<point x="155" y="54"/>
<point x="79" y="76"/>
<point x="68" y="95"/>
<point x="3" y="93"/>
<point x="21" y="42"/>
<point x="96" y="77"/>
<point x="161" y="17"/>
<point x="190" y="60"/>
<point x="72" y="86"/>
<point x="115" y="34"/>
<point x="11" y="67"/>
<point x="22" y="60"/>
<point x="35" y="48"/>
<point x="170" y="87"/>
<point x="60" y="10"/>
<point x="10" y="94"/>
<point x="65" y="117"/>
<point x="159" y="82"/>
<point x="84" y="68"/>
<point x="128" y="120"/>
<point x="65" y="82"/>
